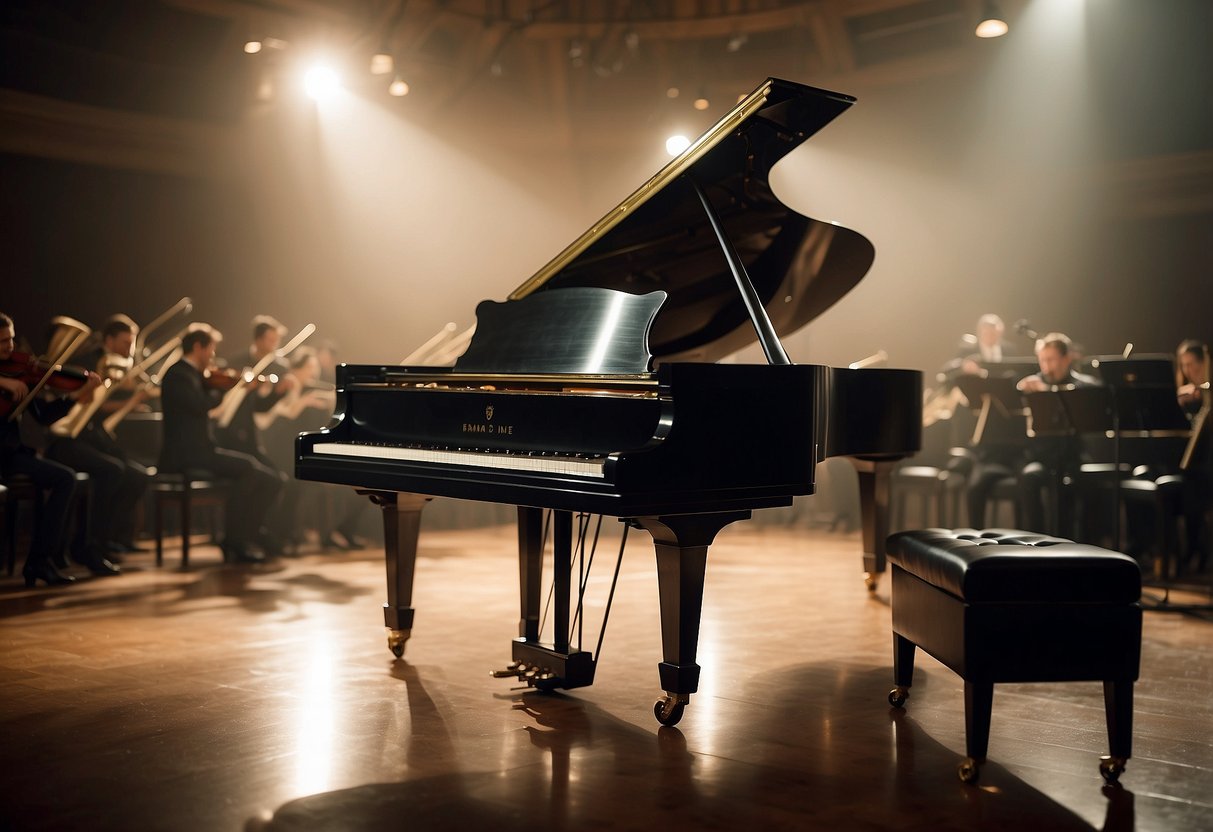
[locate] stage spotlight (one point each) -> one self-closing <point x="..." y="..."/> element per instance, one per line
<point x="320" y="82"/>
<point x="398" y="87"/>
<point x="676" y="144"/>
<point x="252" y="47"/>
<point x="992" y="24"/>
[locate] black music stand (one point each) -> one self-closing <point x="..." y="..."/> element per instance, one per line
<point x="1068" y="413"/>
<point x="1143" y="389"/>
<point x="997" y="403"/>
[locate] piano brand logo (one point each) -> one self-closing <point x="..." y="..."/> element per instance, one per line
<point x="487" y="427"/>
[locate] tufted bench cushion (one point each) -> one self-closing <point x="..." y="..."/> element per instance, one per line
<point x="1009" y="566"/>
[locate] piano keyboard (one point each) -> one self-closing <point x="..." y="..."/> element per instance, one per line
<point x="550" y="464"/>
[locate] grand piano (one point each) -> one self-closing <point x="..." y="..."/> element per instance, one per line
<point x="594" y="388"/>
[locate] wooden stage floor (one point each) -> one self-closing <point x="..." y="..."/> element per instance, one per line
<point x="229" y="699"/>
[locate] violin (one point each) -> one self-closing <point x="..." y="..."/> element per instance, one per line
<point x="226" y="379"/>
<point x="30" y="370"/>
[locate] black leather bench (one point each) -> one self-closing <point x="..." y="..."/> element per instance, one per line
<point x="1009" y="606"/>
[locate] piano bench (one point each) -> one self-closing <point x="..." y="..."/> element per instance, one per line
<point x="188" y="492"/>
<point x="1004" y="605"/>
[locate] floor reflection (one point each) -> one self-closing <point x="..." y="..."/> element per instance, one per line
<point x="845" y="762"/>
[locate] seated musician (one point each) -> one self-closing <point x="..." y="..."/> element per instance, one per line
<point x="189" y="403"/>
<point x="116" y="482"/>
<point x="242" y="433"/>
<point x="1192" y="376"/>
<point x="56" y="480"/>
<point x="987" y="347"/>
<point x="1050" y="458"/>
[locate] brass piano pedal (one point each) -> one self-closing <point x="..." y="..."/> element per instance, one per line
<point x="515" y="669"/>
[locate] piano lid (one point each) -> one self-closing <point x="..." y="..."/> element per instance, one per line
<point x="659" y="238"/>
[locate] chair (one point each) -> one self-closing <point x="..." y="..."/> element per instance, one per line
<point x="18" y="488"/>
<point x="189" y="492"/>
<point x="1012" y="606"/>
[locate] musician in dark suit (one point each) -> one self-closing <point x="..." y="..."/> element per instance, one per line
<point x="1192" y="377"/>
<point x="116" y="482"/>
<point x="1050" y="458"/>
<point x="188" y="404"/>
<point x="57" y="481"/>
<point x="241" y="433"/>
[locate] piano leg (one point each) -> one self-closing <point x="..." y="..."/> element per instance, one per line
<point x="874" y="478"/>
<point x="530" y="571"/>
<point x="401" y="525"/>
<point x="682" y="542"/>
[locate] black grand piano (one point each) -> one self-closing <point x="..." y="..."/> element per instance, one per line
<point x="593" y="388"/>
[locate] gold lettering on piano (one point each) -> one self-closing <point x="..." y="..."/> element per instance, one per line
<point x="480" y="427"/>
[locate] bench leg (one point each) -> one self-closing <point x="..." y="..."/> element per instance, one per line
<point x="903" y="670"/>
<point x="979" y="702"/>
<point x="1118" y="706"/>
<point x="187" y="523"/>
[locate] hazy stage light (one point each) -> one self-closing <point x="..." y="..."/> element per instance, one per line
<point x="398" y="87"/>
<point x="252" y="47"/>
<point x="992" y="24"/>
<point x="676" y="144"/>
<point x="320" y="82"/>
<point x="701" y="103"/>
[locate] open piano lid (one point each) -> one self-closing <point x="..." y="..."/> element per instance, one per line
<point x="659" y="238"/>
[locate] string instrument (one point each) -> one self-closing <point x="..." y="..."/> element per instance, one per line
<point x="1200" y="423"/>
<point x="67" y="334"/>
<point x="239" y="389"/>
<point x="227" y="378"/>
<point x="38" y="374"/>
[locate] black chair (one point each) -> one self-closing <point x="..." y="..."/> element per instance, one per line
<point x="1011" y="606"/>
<point x="188" y="492"/>
<point x="19" y="488"/>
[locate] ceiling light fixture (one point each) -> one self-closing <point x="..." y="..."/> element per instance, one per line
<point x="252" y="47"/>
<point x="398" y="87"/>
<point x="382" y="63"/>
<point x="992" y="24"/>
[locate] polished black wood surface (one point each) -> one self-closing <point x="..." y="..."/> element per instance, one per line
<point x="228" y="699"/>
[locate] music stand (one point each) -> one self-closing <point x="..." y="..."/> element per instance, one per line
<point x="1068" y="412"/>
<point x="997" y="403"/>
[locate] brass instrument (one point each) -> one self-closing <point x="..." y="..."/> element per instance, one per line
<point x="233" y="398"/>
<point x="152" y="383"/>
<point x="116" y="377"/>
<point x="181" y="307"/>
<point x="67" y="335"/>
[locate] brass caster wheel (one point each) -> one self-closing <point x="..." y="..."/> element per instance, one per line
<point x="968" y="770"/>
<point x="1111" y="768"/>
<point x="870" y="580"/>
<point x="668" y="710"/>
<point x="396" y="640"/>
<point x="898" y="696"/>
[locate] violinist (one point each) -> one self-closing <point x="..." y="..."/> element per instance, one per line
<point x="117" y="482"/>
<point x="55" y="482"/>
<point x="188" y="403"/>
<point x="1192" y="378"/>
<point x="242" y="433"/>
